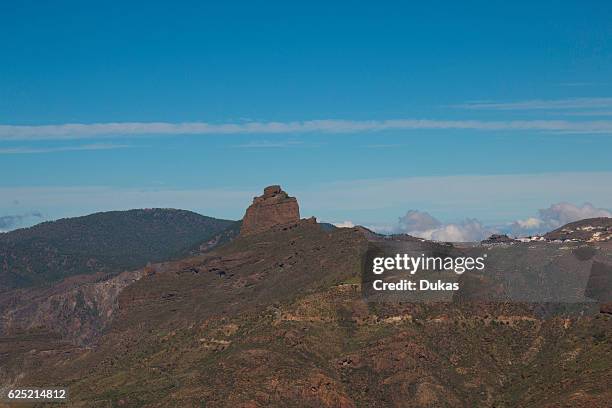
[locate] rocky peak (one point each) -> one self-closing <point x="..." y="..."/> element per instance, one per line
<point x="271" y="191"/>
<point x="274" y="207"/>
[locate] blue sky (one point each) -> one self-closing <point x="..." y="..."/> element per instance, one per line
<point x="200" y="105"/>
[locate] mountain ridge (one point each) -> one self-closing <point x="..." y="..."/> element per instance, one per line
<point x="589" y="229"/>
<point x="110" y="242"/>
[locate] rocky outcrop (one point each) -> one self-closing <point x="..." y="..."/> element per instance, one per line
<point x="498" y="239"/>
<point x="274" y="207"/>
<point x="77" y="309"/>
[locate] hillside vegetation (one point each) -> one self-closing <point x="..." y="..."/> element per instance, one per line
<point x="103" y="242"/>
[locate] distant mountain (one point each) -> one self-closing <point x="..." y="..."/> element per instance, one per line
<point x="590" y="229"/>
<point x="103" y="242"/>
<point x="328" y="227"/>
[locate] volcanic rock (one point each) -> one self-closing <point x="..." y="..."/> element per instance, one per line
<point x="274" y="207"/>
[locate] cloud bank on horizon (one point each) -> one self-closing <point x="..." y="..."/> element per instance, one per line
<point x="421" y="224"/>
<point x="489" y="203"/>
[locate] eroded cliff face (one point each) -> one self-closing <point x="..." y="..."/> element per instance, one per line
<point x="274" y="207"/>
<point x="77" y="309"/>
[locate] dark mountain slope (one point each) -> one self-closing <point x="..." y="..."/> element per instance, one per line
<point x="590" y="229"/>
<point x="103" y="242"/>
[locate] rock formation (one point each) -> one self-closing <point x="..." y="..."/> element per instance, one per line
<point x="274" y="207"/>
<point x="498" y="239"/>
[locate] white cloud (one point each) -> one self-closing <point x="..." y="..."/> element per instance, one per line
<point x="34" y="150"/>
<point x="415" y="220"/>
<point x="266" y="144"/>
<point x="562" y="213"/>
<point x="73" y="131"/>
<point x="466" y="231"/>
<point x="344" y="224"/>
<point x="556" y="216"/>
<point x="569" y="103"/>
<point x="590" y="113"/>
<point x="582" y="83"/>
<point x="529" y="223"/>
<point x="421" y="224"/>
